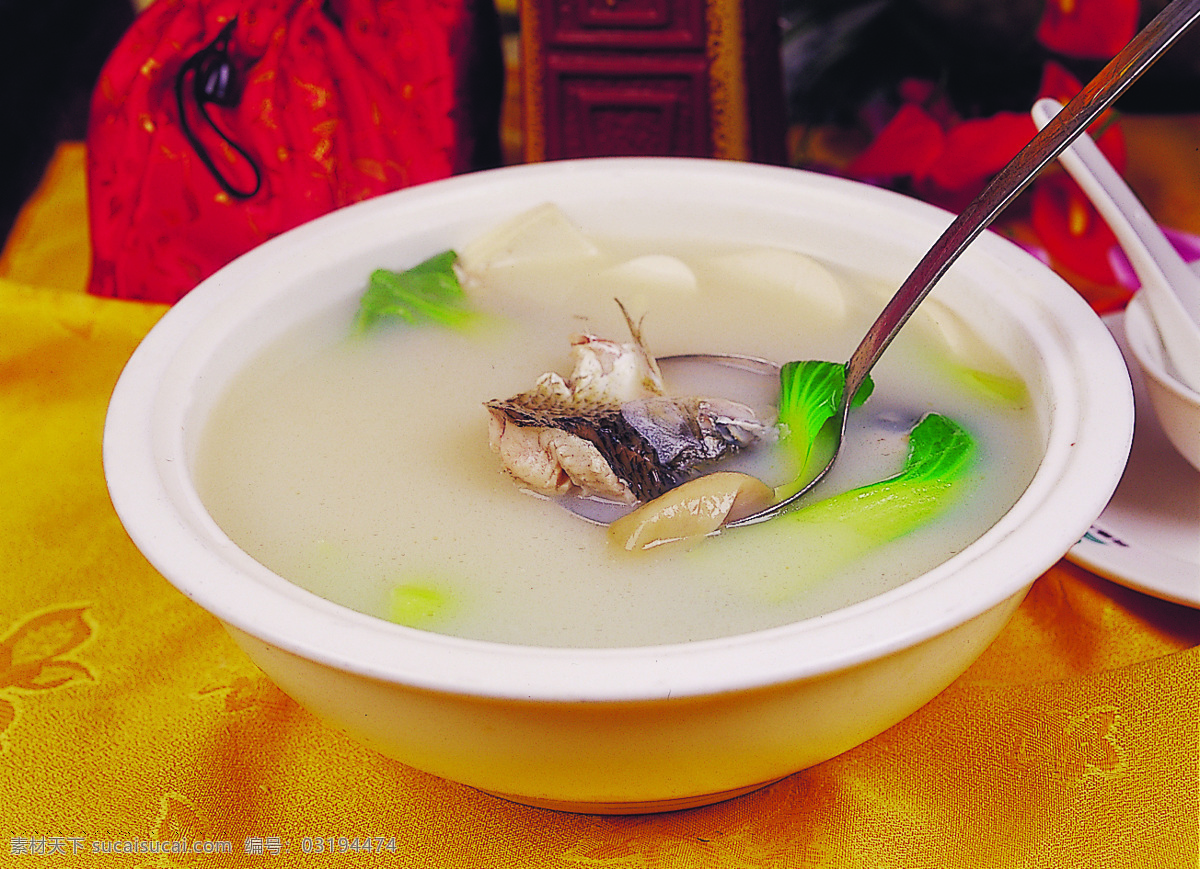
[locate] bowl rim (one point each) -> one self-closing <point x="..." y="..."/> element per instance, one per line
<point x="152" y="495"/>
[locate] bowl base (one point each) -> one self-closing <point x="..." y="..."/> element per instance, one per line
<point x="641" y="807"/>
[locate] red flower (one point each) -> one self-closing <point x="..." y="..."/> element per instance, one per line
<point x="947" y="159"/>
<point x="1067" y="224"/>
<point x="1088" y="28"/>
<point x="977" y="149"/>
<point x="1072" y="231"/>
<point x="908" y="145"/>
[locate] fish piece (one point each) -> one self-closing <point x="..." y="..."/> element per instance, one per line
<point x="609" y="429"/>
<point x="551" y="461"/>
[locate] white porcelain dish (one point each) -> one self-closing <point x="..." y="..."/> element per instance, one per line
<point x="631" y="729"/>
<point x="1148" y="537"/>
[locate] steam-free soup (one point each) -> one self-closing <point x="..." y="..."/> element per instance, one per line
<point x="360" y="469"/>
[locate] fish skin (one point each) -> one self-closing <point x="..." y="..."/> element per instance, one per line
<point x="609" y="431"/>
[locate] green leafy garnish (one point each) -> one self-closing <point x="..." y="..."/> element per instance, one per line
<point x="809" y="395"/>
<point x="995" y="387"/>
<point x="428" y="292"/>
<point x="419" y="604"/>
<point x="940" y="452"/>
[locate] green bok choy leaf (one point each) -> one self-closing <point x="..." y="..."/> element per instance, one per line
<point x="429" y="292"/>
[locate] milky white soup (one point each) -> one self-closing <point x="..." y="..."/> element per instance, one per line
<point x="360" y="469"/>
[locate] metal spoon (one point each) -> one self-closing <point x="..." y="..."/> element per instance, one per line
<point x="1096" y="96"/>
<point x="1171" y="288"/>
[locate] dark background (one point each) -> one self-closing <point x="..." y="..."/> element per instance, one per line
<point x="51" y="52"/>
<point x="838" y="56"/>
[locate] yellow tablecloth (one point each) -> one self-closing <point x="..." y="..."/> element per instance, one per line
<point x="129" y="722"/>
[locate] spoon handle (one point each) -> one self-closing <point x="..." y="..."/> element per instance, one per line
<point x="1097" y="95"/>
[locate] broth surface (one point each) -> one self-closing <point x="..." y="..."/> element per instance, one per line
<point x="354" y="467"/>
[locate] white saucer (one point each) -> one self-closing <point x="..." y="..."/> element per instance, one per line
<point x="1148" y="537"/>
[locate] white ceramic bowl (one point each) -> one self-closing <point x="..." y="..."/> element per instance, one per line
<point x="627" y="729"/>
<point x="1175" y="404"/>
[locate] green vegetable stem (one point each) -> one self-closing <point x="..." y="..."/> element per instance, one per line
<point x="419" y="604"/>
<point x="819" y="539"/>
<point x="940" y="452"/>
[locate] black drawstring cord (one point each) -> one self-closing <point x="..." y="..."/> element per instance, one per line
<point x="215" y="82"/>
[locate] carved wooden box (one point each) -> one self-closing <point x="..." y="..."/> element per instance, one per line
<point x="690" y="78"/>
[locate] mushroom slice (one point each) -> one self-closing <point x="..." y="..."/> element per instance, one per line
<point x="691" y="510"/>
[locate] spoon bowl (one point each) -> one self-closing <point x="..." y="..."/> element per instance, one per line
<point x="1176" y="406"/>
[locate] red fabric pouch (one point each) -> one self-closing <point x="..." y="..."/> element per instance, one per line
<point x="217" y="124"/>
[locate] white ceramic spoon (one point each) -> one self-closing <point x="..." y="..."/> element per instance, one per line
<point x="1171" y="288"/>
